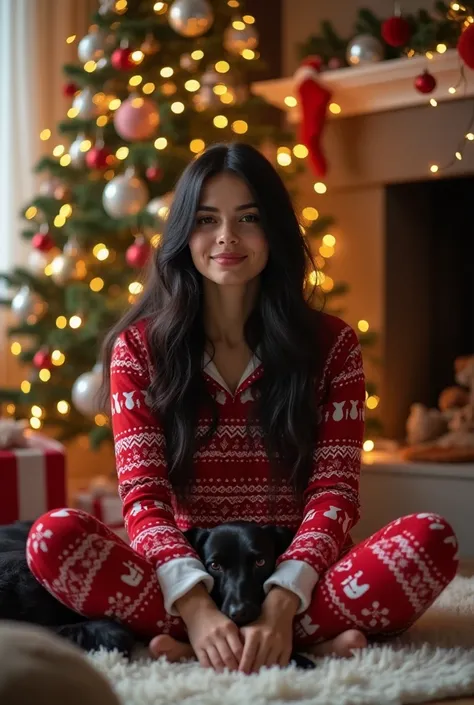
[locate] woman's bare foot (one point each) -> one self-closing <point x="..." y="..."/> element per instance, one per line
<point x="165" y="645"/>
<point x="342" y="645"/>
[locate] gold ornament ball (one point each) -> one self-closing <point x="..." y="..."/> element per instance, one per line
<point x="236" y="40"/>
<point x="191" y="18"/>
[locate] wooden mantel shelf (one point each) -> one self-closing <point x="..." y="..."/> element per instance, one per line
<point x="384" y="86"/>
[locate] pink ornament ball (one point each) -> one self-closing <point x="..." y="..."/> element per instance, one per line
<point x="137" y="119"/>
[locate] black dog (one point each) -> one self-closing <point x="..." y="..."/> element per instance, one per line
<point x="23" y="599"/>
<point x="239" y="555"/>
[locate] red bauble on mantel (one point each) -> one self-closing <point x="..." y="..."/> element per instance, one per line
<point x="121" y="59"/>
<point x="425" y="82"/>
<point x="98" y="157"/>
<point x="154" y="173"/>
<point x="466" y="46"/>
<point x="70" y="89"/>
<point x="396" y="31"/>
<point x="137" y="254"/>
<point x="42" y="360"/>
<point x="42" y="241"/>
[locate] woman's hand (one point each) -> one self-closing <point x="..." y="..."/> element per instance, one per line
<point x="216" y="640"/>
<point x="269" y="640"/>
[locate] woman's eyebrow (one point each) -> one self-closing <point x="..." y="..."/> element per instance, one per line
<point x="212" y="209"/>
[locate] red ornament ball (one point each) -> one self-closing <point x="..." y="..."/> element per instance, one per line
<point x="137" y="254"/>
<point x="70" y="89"/>
<point x="466" y="46"/>
<point x="42" y="242"/>
<point x="425" y="82"/>
<point x="154" y="173"/>
<point x="98" y="158"/>
<point x="121" y="59"/>
<point x="42" y="360"/>
<point x="396" y="31"/>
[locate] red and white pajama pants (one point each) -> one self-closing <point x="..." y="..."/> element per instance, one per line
<point x="381" y="586"/>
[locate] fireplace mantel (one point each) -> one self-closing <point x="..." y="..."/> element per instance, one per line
<point x="380" y="87"/>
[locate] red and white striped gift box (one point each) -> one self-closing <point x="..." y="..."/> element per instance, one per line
<point x="33" y="479"/>
<point x="106" y="507"/>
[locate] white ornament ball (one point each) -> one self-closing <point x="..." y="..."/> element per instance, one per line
<point x="236" y="40"/>
<point x="86" y="390"/>
<point x="89" y="104"/>
<point x="91" y="47"/>
<point x="159" y="208"/>
<point x="27" y="303"/>
<point x="64" y="269"/>
<point x="124" y="195"/>
<point x="364" y="49"/>
<point x="37" y="261"/>
<point x="191" y="18"/>
<point x="78" y="157"/>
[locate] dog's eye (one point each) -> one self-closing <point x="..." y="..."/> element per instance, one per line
<point x="260" y="562"/>
<point x="215" y="566"/>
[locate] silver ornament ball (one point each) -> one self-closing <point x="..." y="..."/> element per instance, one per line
<point x="91" y="47"/>
<point x="27" y="303"/>
<point x="364" y="49"/>
<point x="64" y="269"/>
<point x="86" y="391"/>
<point x="159" y="208"/>
<point x="236" y="40"/>
<point x="124" y="195"/>
<point x="191" y="18"/>
<point x="78" y="157"/>
<point x="89" y="104"/>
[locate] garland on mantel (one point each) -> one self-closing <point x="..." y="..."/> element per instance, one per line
<point x="375" y="40"/>
<point x="403" y="34"/>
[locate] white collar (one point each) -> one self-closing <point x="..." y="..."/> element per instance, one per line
<point x="211" y="369"/>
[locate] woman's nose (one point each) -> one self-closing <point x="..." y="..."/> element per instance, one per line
<point x="226" y="234"/>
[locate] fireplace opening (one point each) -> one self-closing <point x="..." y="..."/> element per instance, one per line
<point x="429" y="292"/>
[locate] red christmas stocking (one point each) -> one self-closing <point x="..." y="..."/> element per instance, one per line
<point x="313" y="99"/>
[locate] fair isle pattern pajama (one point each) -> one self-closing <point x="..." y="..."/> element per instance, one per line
<point x="380" y="586"/>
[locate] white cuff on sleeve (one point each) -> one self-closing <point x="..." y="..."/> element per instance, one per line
<point x="177" y="577"/>
<point x="297" y="577"/>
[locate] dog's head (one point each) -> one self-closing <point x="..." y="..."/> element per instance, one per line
<point x="240" y="556"/>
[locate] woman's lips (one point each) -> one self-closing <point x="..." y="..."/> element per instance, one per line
<point x="228" y="259"/>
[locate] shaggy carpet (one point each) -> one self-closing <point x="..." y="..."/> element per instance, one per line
<point x="434" y="660"/>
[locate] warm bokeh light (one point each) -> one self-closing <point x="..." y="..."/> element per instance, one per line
<point x="177" y="107"/>
<point x="372" y="402"/>
<point x="220" y="121"/>
<point x="196" y="146"/>
<point x="35" y="423"/>
<point x="90" y="66"/>
<point x="37" y="411"/>
<point x="135" y="80"/>
<point x="96" y="284"/>
<point x="31" y="212"/>
<point x="63" y="407"/>
<point x="335" y="108"/>
<point x="135" y="288"/>
<point x="101" y="420"/>
<point x="291" y="101"/>
<point x="44" y="375"/>
<point x="329" y="240"/>
<point x="65" y="160"/>
<point x="320" y="187"/>
<point x="197" y="54"/>
<point x="149" y="88"/>
<point x="75" y="322"/>
<point x="25" y="386"/>
<point x="161" y="143"/>
<point x="222" y="67"/>
<point x="58" y="150"/>
<point x="15" y="348"/>
<point x="58" y="358"/>
<point x="434" y="168"/>
<point x="192" y="85"/>
<point x="61" y="322"/>
<point x="368" y="446"/>
<point x="326" y="251"/>
<point x="240" y="127"/>
<point x="363" y="326"/>
<point x="115" y="103"/>
<point x="300" y="151"/>
<point x="122" y="153"/>
<point x="166" y="72"/>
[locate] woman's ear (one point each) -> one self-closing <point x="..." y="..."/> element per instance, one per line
<point x="197" y="538"/>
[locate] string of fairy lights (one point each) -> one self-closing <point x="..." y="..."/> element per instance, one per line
<point x="101" y="253"/>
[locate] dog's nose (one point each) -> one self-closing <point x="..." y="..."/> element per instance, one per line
<point x="244" y="613"/>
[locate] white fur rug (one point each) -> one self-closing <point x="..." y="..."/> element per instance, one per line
<point x="435" y="660"/>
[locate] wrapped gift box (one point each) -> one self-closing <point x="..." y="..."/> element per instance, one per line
<point x="102" y="501"/>
<point x="33" y="479"/>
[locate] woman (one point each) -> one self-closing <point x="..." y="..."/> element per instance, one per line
<point x="233" y="399"/>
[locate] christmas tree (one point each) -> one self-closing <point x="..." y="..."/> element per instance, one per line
<point x="154" y="84"/>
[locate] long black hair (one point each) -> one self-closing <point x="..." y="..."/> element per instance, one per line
<point x="282" y="326"/>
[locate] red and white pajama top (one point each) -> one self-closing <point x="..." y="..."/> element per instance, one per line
<point x="233" y="472"/>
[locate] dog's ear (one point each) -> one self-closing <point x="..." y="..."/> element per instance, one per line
<point x="281" y="536"/>
<point x="197" y="538"/>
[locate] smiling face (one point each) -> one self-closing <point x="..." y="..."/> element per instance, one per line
<point x="228" y="245"/>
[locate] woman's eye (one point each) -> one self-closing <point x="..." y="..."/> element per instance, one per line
<point x="250" y="218"/>
<point x="205" y="220"/>
<point x="260" y="562"/>
<point x="215" y="566"/>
